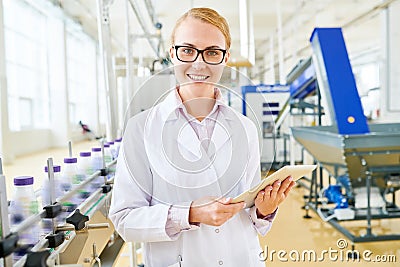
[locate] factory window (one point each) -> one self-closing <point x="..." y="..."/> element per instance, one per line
<point x="368" y="84"/>
<point x="81" y="75"/>
<point x="26" y="65"/>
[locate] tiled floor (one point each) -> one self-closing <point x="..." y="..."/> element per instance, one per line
<point x="291" y="233"/>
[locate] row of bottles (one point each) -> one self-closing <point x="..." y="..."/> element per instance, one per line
<point x="23" y="205"/>
<point x="66" y="178"/>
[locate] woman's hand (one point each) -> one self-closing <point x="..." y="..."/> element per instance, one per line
<point x="268" y="200"/>
<point x="213" y="211"/>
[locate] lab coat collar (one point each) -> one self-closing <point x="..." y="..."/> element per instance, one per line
<point x="187" y="138"/>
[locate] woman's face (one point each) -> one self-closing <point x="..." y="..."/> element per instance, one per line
<point x="198" y="75"/>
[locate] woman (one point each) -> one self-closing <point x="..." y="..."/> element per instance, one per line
<point x="183" y="160"/>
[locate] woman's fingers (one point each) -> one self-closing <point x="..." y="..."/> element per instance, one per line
<point x="289" y="188"/>
<point x="275" y="188"/>
<point x="260" y="196"/>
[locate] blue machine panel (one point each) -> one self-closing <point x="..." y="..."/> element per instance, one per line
<point x="262" y="88"/>
<point x="304" y="84"/>
<point x="338" y="80"/>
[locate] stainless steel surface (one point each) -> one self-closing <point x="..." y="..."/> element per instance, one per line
<point x="380" y="148"/>
<point x="50" y="175"/>
<point x="90" y="226"/>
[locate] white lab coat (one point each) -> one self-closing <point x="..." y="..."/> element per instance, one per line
<point x="161" y="164"/>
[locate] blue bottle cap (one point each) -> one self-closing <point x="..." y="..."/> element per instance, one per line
<point x="23" y="180"/>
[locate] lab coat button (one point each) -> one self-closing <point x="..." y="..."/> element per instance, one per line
<point x="217" y="230"/>
<point x="221" y="262"/>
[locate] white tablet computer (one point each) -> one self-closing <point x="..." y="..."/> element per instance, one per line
<point x="296" y="171"/>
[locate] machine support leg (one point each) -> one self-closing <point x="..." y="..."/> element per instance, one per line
<point x="368" y="178"/>
<point x="321" y="182"/>
<point x="314" y="175"/>
<point x="313" y="186"/>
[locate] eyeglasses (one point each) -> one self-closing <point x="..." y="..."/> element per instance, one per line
<point x="212" y="56"/>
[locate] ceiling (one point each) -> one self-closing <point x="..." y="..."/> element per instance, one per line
<point x="360" y="20"/>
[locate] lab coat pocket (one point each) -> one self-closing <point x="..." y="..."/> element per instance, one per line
<point x="256" y="258"/>
<point x="177" y="264"/>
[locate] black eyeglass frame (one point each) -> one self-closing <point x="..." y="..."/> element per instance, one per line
<point x="199" y="51"/>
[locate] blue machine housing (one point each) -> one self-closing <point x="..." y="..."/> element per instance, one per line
<point x="334" y="195"/>
<point x="261" y="88"/>
<point x="336" y="79"/>
<point x="304" y="85"/>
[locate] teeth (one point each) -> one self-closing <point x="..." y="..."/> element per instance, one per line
<point x="197" y="77"/>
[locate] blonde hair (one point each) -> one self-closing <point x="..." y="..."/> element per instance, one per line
<point x="207" y="15"/>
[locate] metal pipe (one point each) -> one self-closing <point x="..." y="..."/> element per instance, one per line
<point x="89" y="226"/>
<point x="70" y="149"/>
<point x="150" y="11"/>
<point x="52" y="184"/>
<point x="103" y="24"/>
<point x="50" y="175"/>
<point x="144" y="27"/>
<point x="364" y="15"/>
<point x="271" y="58"/>
<point x="282" y="78"/>
<point x="28" y="222"/>
<point x="128" y="67"/>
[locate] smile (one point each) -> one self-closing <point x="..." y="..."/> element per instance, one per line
<point x="197" y="77"/>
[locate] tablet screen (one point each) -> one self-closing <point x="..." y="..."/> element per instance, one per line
<point x="295" y="171"/>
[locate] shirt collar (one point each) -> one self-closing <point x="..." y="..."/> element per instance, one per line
<point x="173" y="102"/>
<point x="217" y="104"/>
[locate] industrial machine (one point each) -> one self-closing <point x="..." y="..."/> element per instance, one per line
<point x="362" y="159"/>
<point x="84" y="240"/>
<point x="263" y="104"/>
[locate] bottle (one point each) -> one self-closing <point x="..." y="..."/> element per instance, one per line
<point x="70" y="177"/>
<point x="112" y="149"/>
<point x="23" y="205"/>
<point x="97" y="164"/>
<point x="85" y="163"/>
<point x="107" y="153"/>
<point x="117" y="144"/>
<point x="47" y="224"/>
<point x="84" y="171"/>
<point x="97" y="159"/>
<point x="70" y="172"/>
<point x="58" y="188"/>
